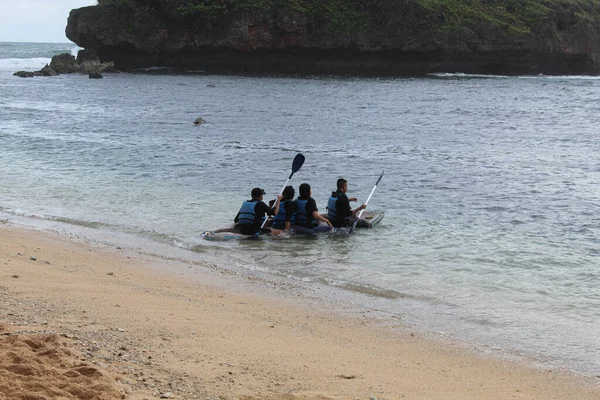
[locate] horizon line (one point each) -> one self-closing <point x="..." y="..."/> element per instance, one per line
<point x="39" y="42"/>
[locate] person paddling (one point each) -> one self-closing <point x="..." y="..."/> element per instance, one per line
<point x="307" y="213"/>
<point x="253" y="211"/>
<point x="339" y="211"/>
<point x="285" y="218"/>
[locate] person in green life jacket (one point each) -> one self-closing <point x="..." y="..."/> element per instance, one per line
<point x="339" y="211"/>
<point x="252" y="213"/>
<point x="307" y="213"/>
<point x="285" y="218"/>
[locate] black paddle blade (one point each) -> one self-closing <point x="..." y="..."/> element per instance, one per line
<point x="297" y="163"/>
<point x="381" y="176"/>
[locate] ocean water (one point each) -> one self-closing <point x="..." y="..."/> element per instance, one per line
<point x="491" y="192"/>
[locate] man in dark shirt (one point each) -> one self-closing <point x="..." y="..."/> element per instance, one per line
<point x="339" y="211"/>
<point x="252" y="212"/>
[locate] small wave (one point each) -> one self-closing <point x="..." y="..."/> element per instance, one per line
<point x="375" y="291"/>
<point x="149" y="234"/>
<point x="562" y="77"/>
<point x="19" y="56"/>
<point x="156" y="69"/>
<point x="495" y="209"/>
<point x="72" y="221"/>
<point x="75" y="51"/>
<point x="372" y="290"/>
<point x="540" y="76"/>
<point x="463" y="75"/>
<point x="19" y="64"/>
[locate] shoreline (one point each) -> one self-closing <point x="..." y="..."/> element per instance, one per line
<point x="370" y="302"/>
<point x="208" y="332"/>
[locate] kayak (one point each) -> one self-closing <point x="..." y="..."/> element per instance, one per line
<point x="368" y="219"/>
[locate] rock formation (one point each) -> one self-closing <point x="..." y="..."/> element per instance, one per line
<point x="87" y="62"/>
<point x="48" y="71"/>
<point x="24" y="74"/>
<point x="64" y="64"/>
<point x="384" y="37"/>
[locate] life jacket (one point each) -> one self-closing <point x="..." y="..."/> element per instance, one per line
<point x="247" y="213"/>
<point x="301" y="212"/>
<point x="331" y="208"/>
<point x="279" y="219"/>
<point x="302" y="218"/>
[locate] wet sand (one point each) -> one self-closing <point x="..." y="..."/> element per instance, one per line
<point x="139" y="326"/>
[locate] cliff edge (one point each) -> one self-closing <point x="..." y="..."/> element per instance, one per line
<point x="368" y="37"/>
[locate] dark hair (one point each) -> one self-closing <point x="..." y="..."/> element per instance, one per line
<point x="341" y="182"/>
<point x="288" y="193"/>
<point x="257" y="192"/>
<point x="304" y="190"/>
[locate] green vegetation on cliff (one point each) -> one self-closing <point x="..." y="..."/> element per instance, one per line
<point x="520" y="16"/>
<point x="341" y="15"/>
<point x="344" y="16"/>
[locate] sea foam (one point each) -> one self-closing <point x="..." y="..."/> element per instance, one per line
<point x="20" y="64"/>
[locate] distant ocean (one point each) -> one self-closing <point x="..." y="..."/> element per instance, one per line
<point x="491" y="192"/>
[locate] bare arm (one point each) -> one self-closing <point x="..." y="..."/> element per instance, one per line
<point x="357" y="209"/>
<point x="319" y="217"/>
<point x="277" y="203"/>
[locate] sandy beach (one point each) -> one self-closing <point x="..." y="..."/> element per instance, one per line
<point x="87" y="321"/>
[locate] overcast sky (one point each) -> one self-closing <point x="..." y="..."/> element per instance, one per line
<point x="36" y="20"/>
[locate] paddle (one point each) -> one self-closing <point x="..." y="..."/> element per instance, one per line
<point x="366" y="202"/>
<point x="296" y="165"/>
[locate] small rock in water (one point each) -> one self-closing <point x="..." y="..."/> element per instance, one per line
<point x="210" y="85"/>
<point x="95" y="75"/>
<point x="199" y="121"/>
<point x="24" y="74"/>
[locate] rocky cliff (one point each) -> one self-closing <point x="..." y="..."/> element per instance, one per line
<point x="384" y="37"/>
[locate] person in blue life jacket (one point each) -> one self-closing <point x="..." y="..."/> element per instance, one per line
<point x="252" y="213"/>
<point x="285" y="217"/>
<point x="339" y="211"/>
<point x="307" y="214"/>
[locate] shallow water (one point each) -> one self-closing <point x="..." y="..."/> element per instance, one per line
<point x="491" y="190"/>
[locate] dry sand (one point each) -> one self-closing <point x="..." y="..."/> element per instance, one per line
<point x="87" y="322"/>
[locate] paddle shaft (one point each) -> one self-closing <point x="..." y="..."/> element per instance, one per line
<point x="283" y="188"/>
<point x="366" y="202"/>
<point x="296" y="165"/>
